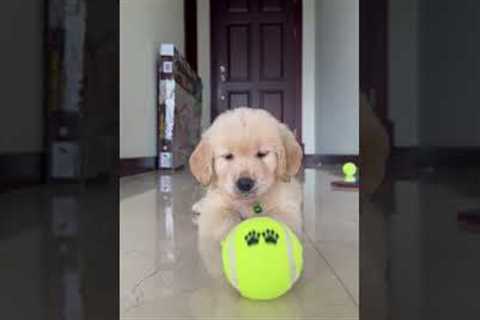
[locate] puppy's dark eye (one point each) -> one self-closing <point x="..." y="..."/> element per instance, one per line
<point x="228" y="156"/>
<point x="261" y="154"/>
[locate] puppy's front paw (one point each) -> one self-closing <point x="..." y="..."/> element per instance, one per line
<point x="209" y="251"/>
<point x="195" y="219"/>
<point x="196" y="208"/>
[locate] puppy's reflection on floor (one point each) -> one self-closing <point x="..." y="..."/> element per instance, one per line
<point x="210" y="253"/>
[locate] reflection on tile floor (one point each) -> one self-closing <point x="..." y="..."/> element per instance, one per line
<point x="162" y="275"/>
<point x="430" y="255"/>
<point x="56" y="252"/>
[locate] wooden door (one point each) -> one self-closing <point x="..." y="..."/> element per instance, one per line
<point x="256" y="57"/>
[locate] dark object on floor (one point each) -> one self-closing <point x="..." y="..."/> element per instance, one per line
<point x="344" y="184"/>
<point x="469" y="220"/>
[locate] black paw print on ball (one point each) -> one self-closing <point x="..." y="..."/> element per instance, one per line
<point x="252" y="238"/>
<point x="270" y="236"/>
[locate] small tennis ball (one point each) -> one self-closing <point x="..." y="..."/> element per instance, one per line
<point x="349" y="169"/>
<point x="262" y="258"/>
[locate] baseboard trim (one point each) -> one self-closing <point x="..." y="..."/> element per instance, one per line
<point x="315" y="160"/>
<point x="133" y="166"/>
<point x="436" y="157"/>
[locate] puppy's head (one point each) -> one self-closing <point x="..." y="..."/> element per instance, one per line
<point x="244" y="152"/>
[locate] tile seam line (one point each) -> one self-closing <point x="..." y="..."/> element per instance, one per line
<point x="333" y="271"/>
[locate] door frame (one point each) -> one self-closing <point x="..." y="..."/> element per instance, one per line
<point x="374" y="44"/>
<point x="297" y="49"/>
<point x="190" y="23"/>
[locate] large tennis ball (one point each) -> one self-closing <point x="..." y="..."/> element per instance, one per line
<point x="262" y="258"/>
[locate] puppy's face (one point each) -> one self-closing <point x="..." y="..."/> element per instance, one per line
<point x="245" y="152"/>
<point x="245" y="166"/>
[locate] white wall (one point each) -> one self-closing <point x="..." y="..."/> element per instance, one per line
<point x="433" y="87"/>
<point x="450" y="73"/>
<point x="337" y="78"/>
<point x="403" y="91"/>
<point x="144" y="24"/>
<point x="21" y="76"/>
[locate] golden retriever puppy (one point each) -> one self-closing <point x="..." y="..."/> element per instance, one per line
<point x="246" y="158"/>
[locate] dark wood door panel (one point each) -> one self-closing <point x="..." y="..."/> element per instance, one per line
<point x="273" y="101"/>
<point x="256" y="48"/>
<point x="272" y="5"/>
<point x="272" y="52"/>
<point x="237" y="6"/>
<point x="247" y="6"/>
<point x="239" y="45"/>
<point x="238" y="99"/>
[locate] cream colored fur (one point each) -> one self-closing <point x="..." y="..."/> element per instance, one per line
<point x="243" y="133"/>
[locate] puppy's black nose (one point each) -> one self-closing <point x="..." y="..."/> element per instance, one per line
<point x="245" y="184"/>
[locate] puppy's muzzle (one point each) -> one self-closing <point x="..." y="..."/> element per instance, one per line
<point x="245" y="184"/>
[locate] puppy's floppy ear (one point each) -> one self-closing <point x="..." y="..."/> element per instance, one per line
<point x="201" y="162"/>
<point x="290" y="156"/>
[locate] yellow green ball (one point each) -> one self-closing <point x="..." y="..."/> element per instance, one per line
<point x="349" y="169"/>
<point x="262" y="258"/>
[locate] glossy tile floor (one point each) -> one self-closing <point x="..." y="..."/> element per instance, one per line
<point x="432" y="260"/>
<point x="162" y="275"/>
<point x="57" y="253"/>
